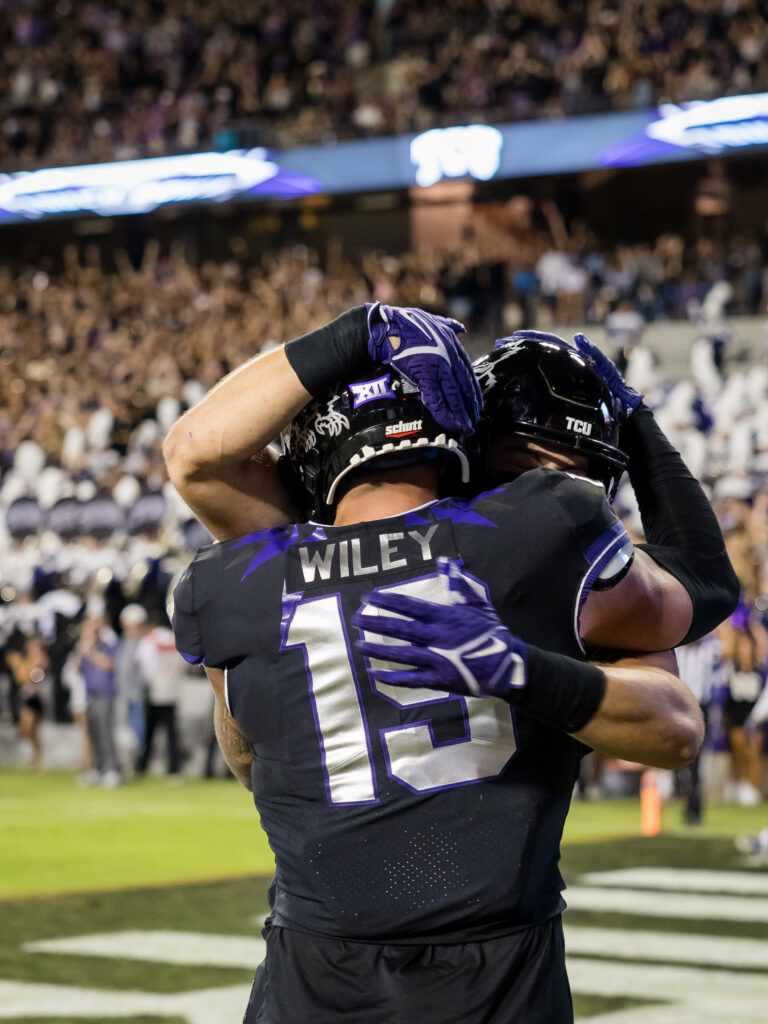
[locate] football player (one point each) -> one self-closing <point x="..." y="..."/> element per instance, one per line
<point x="541" y="396"/>
<point x="416" y="832"/>
<point x="567" y="407"/>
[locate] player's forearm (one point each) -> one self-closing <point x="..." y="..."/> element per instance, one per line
<point x="249" y="407"/>
<point x="217" y="455"/>
<point x="647" y="715"/>
<point x="243" y="498"/>
<point x="237" y="751"/>
<point x="236" y="420"/>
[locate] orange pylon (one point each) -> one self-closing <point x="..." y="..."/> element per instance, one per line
<point x="650" y="804"/>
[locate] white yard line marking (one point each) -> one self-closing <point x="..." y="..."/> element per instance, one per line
<point x="685" y="994"/>
<point x="748" y="883"/>
<point x="697" y="995"/>
<point x="162" y="947"/>
<point x="204" y="1006"/>
<point x="677" y="1013"/>
<point x="669" y="947"/>
<point x="668" y="904"/>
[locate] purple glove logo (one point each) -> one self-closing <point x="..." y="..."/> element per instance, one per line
<point x="460" y="646"/>
<point x="425" y="349"/>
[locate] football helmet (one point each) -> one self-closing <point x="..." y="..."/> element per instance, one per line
<point x="545" y="392"/>
<point x="378" y="417"/>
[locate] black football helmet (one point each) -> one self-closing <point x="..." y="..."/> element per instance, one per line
<point x="377" y="417"/>
<point x="547" y="393"/>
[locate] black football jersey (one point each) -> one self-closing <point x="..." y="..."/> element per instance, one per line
<point x="397" y="814"/>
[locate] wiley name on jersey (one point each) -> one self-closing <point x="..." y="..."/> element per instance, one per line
<point x="368" y="553"/>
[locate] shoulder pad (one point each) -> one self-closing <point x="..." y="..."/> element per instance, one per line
<point x="580" y="497"/>
<point x="185" y="626"/>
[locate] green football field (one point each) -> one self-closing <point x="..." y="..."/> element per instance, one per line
<point x="143" y="905"/>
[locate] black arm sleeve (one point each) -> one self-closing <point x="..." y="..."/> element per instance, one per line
<point x="681" y="529"/>
<point x="560" y="691"/>
<point x="332" y="353"/>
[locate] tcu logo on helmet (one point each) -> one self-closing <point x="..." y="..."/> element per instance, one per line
<point x="371" y="389"/>
<point x="578" y="426"/>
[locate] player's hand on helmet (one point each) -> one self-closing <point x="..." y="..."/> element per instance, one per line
<point x="553" y="339"/>
<point x="425" y="348"/>
<point x="627" y="399"/>
<point x="461" y="647"/>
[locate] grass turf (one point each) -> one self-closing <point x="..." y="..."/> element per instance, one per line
<point x="58" y="838"/>
<point x="87" y="861"/>
<point x="143" y="1019"/>
<point x="227" y="907"/>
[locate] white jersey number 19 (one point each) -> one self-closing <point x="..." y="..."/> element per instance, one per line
<point x="414" y="758"/>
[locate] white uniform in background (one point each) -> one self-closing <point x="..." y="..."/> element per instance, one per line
<point x="163" y="669"/>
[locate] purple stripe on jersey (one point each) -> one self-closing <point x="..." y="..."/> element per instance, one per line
<point x="279" y="542"/>
<point x="461" y="514"/>
<point x="600" y="563"/>
<point x="288" y="608"/>
<point x="259" y="536"/>
<point x="612" y="548"/>
<point x="412" y="519"/>
<point x="489" y="494"/>
<point x="617" y="529"/>
<point x="191" y="659"/>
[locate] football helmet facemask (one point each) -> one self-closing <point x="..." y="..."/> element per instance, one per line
<point x="545" y="392"/>
<point x="379" y="417"/>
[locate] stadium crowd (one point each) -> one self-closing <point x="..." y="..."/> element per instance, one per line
<point x="98" y="362"/>
<point x="109" y="79"/>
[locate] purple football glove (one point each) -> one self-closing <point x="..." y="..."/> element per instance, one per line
<point x="627" y="399"/>
<point x="461" y="647"/>
<point x="553" y="339"/>
<point x="431" y="356"/>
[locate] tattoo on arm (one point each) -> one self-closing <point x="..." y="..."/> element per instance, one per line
<point x="237" y="751"/>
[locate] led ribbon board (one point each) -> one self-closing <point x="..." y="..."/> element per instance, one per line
<point x="138" y="186"/>
<point x="697" y="129"/>
<point x="523" y="149"/>
<point x="473" y="150"/>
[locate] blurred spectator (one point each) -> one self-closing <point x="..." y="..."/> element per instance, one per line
<point x="85" y="82"/>
<point x="78" y="704"/>
<point x="130" y="682"/>
<point x="28" y="666"/>
<point x="85" y="506"/>
<point x="164" y="670"/>
<point x="624" y="329"/>
<point x="700" y="666"/>
<point x="745" y="649"/>
<point x="95" y="654"/>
